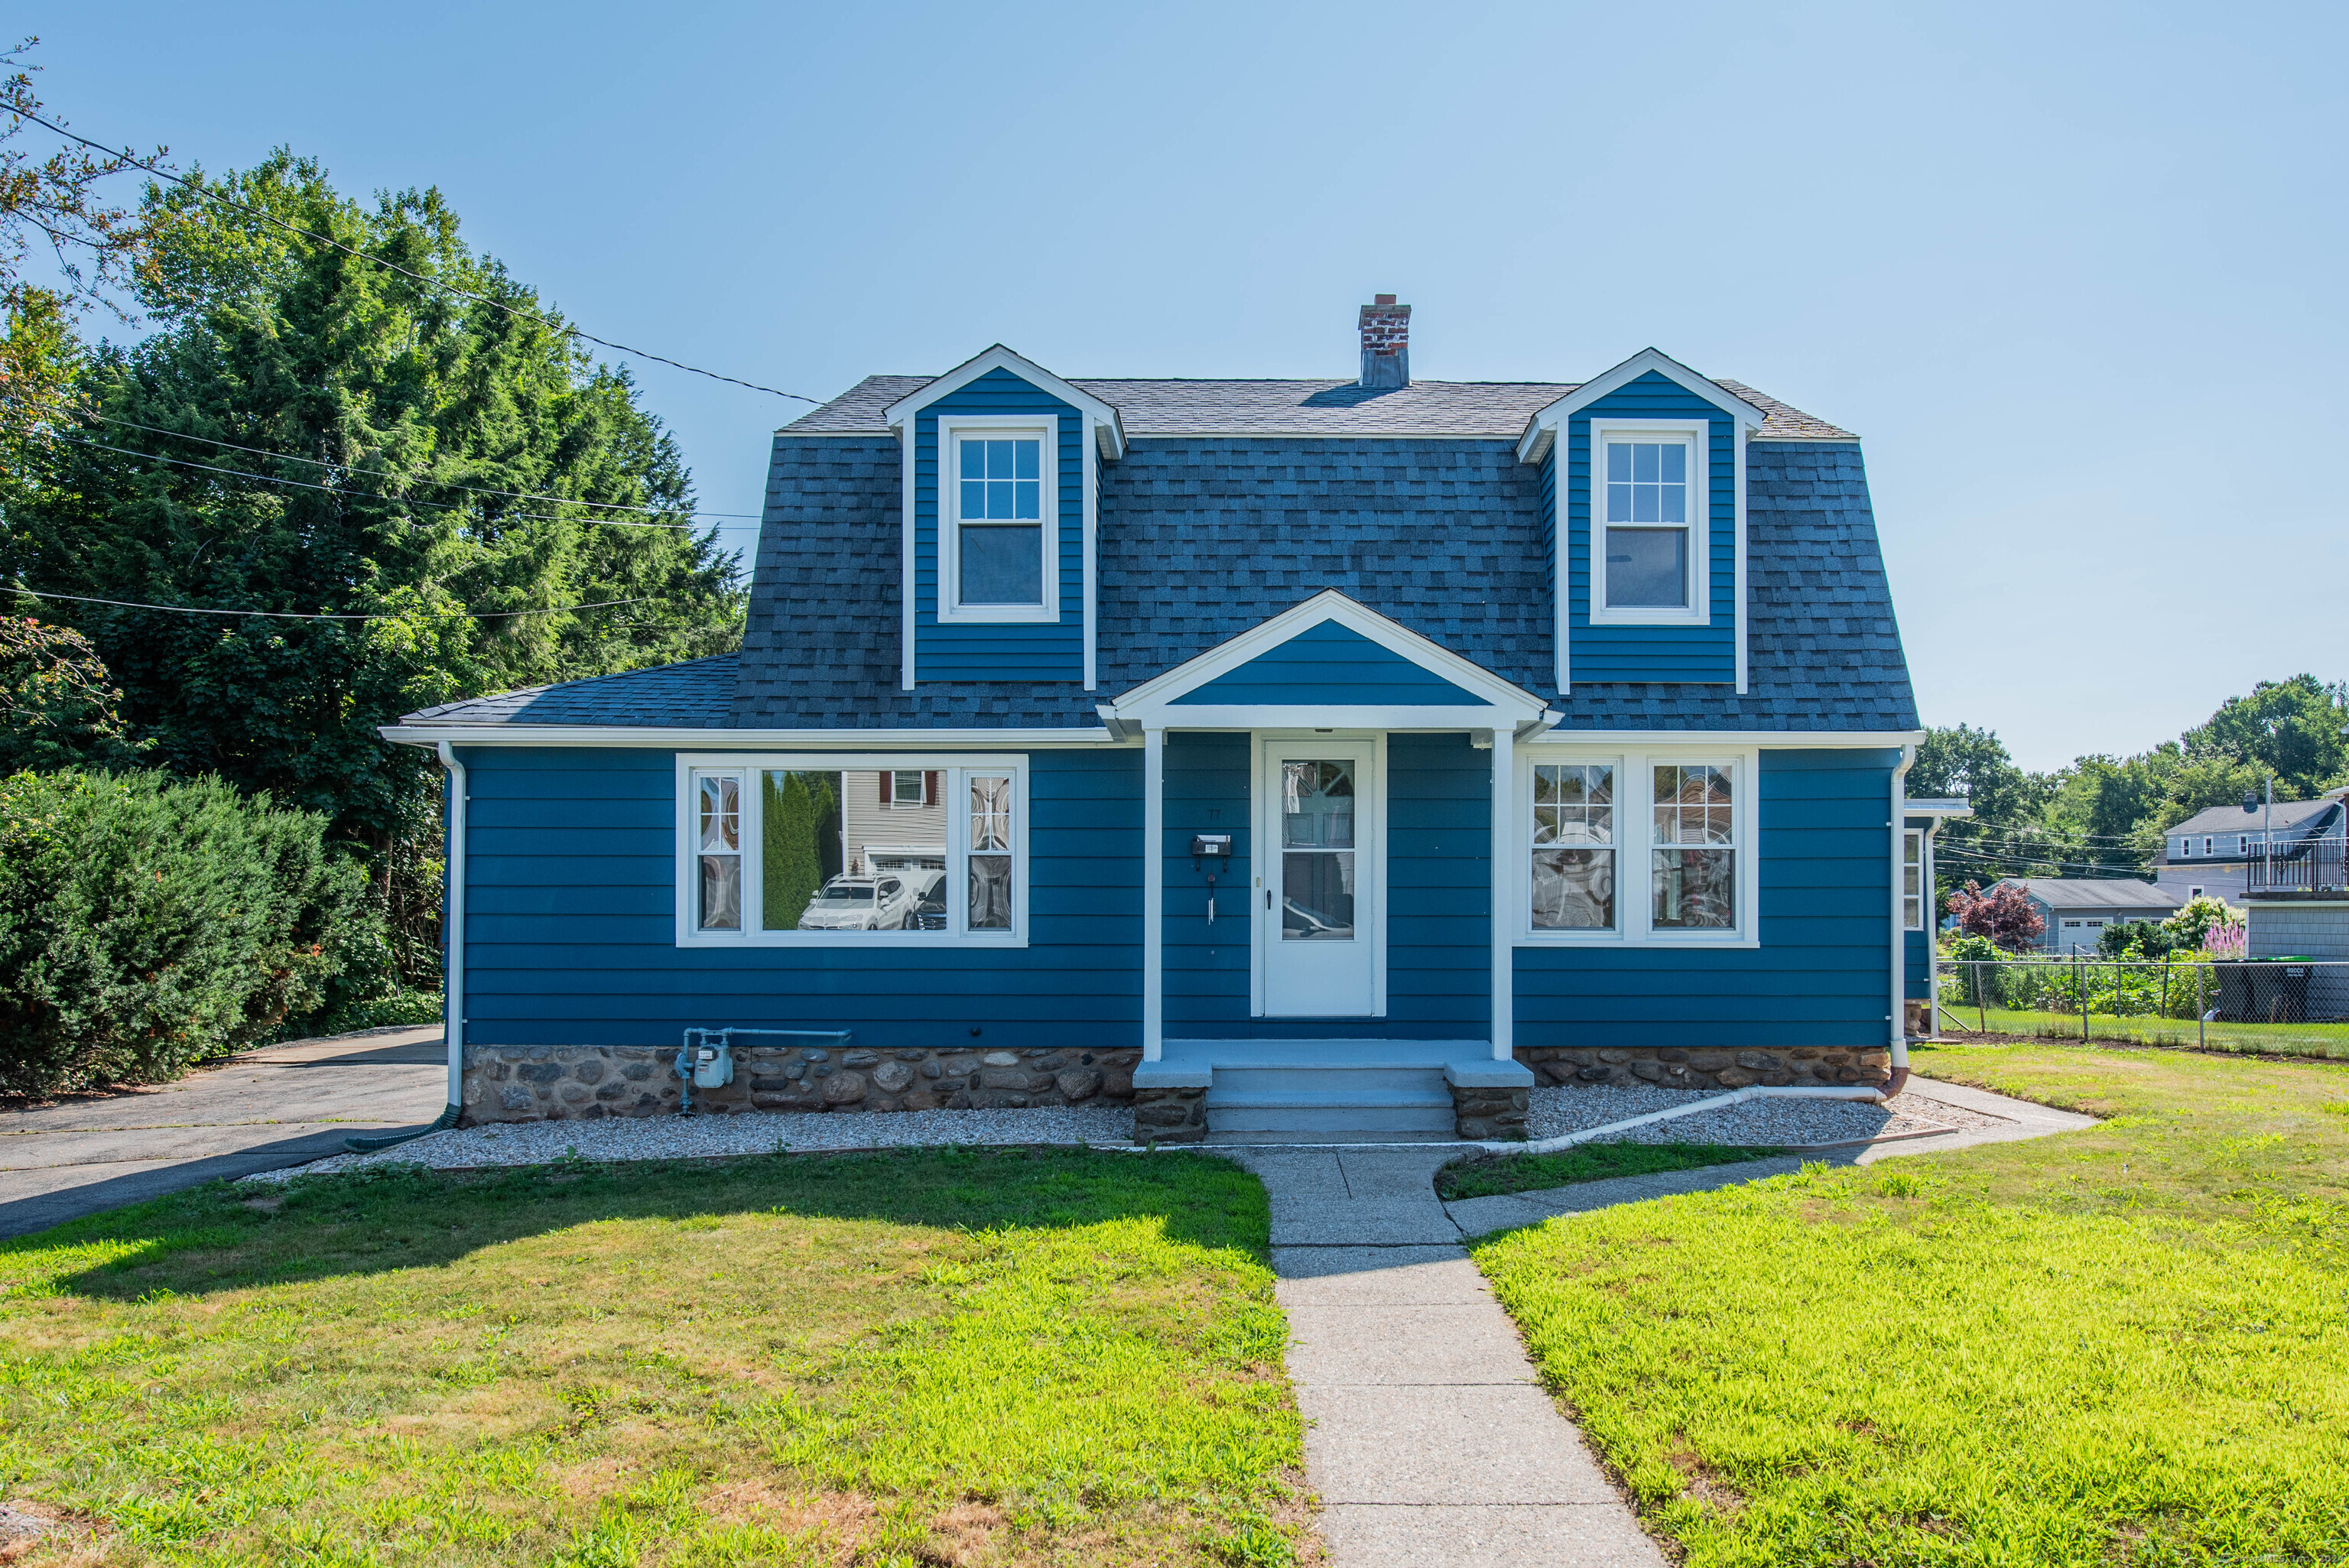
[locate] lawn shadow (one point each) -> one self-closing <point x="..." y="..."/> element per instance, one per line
<point x="378" y="1219"/>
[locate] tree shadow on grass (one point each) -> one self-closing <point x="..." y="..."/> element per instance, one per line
<point x="223" y="1237"/>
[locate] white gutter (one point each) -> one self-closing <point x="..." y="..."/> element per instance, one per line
<point x="1899" y="949"/>
<point x="679" y="739"/>
<point x="453" y="1024"/>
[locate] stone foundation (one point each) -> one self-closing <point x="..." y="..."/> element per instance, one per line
<point x="1177" y="1114"/>
<point x="555" y="1083"/>
<point x="1486" y="1114"/>
<point x="1712" y="1068"/>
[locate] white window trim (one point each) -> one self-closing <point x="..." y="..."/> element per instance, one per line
<point x="950" y="426"/>
<point x="1924" y="882"/>
<point x="1634" y="912"/>
<point x="1698" y="612"/>
<point x="955" y="787"/>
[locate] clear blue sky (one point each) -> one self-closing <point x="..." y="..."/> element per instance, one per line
<point x="2074" y="273"/>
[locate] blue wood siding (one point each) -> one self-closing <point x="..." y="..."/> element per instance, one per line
<point x="571" y="922"/>
<point x="1917" y="965"/>
<point x="1019" y="651"/>
<point x="1332" y="663"/>
<point x="1439" y="894"/>
<point x="1823" y="973"/>
<point x="1599" y="654"/>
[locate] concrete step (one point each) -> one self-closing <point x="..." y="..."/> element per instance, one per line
<point x="1333" y="1119"/>
<point x="1338" y="1078"/>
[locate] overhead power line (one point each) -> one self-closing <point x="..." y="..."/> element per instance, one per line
<point x="387" y="473"/>
<point x="355" y="495"/>
<point x="209" y="195"/>
<point x="305" y="616"/>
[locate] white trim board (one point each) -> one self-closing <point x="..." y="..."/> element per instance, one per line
<point x="1155" y="698"/>
<point x="1109" y="430"/>
<point x="734" y="741"/>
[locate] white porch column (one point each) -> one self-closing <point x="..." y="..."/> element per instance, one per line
<point x="1502" y="844"/>
<point x="1153" y="892"/>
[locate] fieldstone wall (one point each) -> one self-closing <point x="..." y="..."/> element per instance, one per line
<point x="1169" y="1115"/>
<point x="554" y="1083"/>
<point x="1715" y="1067"/>
<point x="1486" y="1114"/>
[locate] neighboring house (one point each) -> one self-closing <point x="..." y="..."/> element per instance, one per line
<point x="2212" y="852"/>
<point x="2078" y="909"/>
<point x="1313" y="754"/>
<point x="2297" y="906"/>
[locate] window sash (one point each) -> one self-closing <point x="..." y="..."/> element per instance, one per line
<point x="993" y="850"/>
<point x="1912" y="879"/>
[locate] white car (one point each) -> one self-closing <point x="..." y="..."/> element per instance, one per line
<point x="878" y="902"/>
<point x="882" y="901"/>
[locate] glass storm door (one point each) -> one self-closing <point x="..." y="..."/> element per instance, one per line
<point x="1317" y="898"/>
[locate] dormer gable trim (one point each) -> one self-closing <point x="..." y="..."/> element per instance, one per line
<point x="1109" y="430"/>
<point x="1149" y="704"/>
<point x="1542" y="429"/>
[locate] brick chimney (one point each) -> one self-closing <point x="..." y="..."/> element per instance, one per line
<point x="1386" y="342"/>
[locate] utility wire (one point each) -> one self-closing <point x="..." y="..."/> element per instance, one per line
<point x="302" y="615"/>
<point x="211" y="195"/>
<point x="387" y="473"/>
<point x="354" y="495"/>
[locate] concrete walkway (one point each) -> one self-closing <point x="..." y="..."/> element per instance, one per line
<point x="1429" y="1436"/>
<point x="268" y="1108"/>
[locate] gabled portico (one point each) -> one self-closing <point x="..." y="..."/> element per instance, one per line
<point x="1356" y="767"/>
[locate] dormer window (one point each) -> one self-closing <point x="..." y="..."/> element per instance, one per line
<point x="1647" y="500"/>
<point x="996" y="548"/>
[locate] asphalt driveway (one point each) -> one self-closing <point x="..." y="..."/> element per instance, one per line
<point x="266" y="1109"/>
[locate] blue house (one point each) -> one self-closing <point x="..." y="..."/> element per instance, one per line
<point x="1278" y="755"/>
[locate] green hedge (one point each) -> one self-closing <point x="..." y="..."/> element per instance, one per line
<point x="148" y="923"/>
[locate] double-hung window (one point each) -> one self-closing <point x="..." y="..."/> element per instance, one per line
<point x="1638" y="848"/>
<point x="1649" y="501"/>
<point x="1912" y="879"/>
<point x="833" y="850"/>
<point x="998" y="508"/>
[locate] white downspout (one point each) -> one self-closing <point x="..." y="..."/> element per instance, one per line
<point x="1153" y="892"/>
<point x="453" y="1025"/>
<point x="1501" y="845"/>
<point x="1898" y="949"/>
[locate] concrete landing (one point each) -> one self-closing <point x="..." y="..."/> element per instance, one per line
<point x="1430" y="1439"/>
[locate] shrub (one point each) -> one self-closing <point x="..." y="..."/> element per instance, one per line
<point x="2136" y="939"/>
<point x="2002" y="914"/>
<point x="148" y="925"/>
<point x="2191" y="926"/>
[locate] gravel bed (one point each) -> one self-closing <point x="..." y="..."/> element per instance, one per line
<point x="697" y="1137"/>
<point x="1772" y="1122"/>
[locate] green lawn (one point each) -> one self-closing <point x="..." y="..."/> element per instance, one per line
<point x="2280" y="1039"/>
<point x="2127" y="1346"/>
<point x="1583" y="1162"/>
<point x="921" y="1359"/>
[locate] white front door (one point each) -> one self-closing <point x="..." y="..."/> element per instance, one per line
<point x="1319" y="894"/>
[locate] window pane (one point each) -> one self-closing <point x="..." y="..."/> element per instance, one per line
<point x="990" y="893"/>
<point x="1675" y="457"/>
<point x="1645" y="505"/>
<point x="998" y="498"/>
<point x="1027" y="499"/>
<point x="1573" y="890"/>
<point x="803" y="844"/>
<point x="1647" y="567"/>
<point x="1002" y="565"/>
<point x="1619" y="462"/>
<point x="1644" y="462"/>
<point x="1674" y="508"/>
<point x="1316" y="895"/>
<point x="1317" y="805"/>
<point x="908" y="788"/>
<point x="1583" y="812"/>
<point x="991" y="813"/>
<point x="974" y="498"/>
<point x="999" y="459"/>
<point x="721" y="892"/>
<point x="1695" y="889"/>
<point x="974" y="459"/>
<point x="722" y="814"/>
<point x="1028" y="462"/>
<point x="1618" y="503"/>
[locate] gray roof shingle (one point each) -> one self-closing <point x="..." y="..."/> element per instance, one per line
<point x="1155" y="408"/>
<point x="694" y="695"/>
<point x="2290" y="815"/>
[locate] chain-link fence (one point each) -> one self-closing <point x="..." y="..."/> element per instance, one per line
<point x="2290" y="1007"/>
